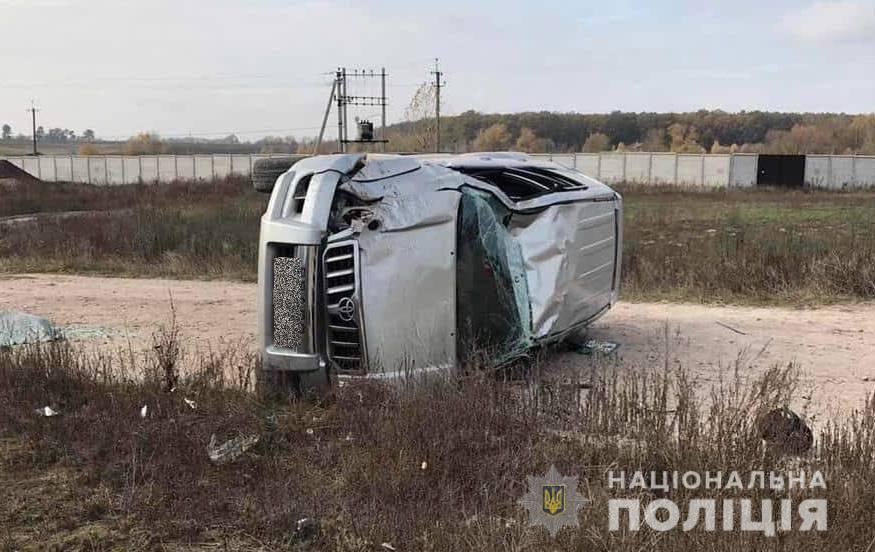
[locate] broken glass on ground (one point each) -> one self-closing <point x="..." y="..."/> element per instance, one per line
<point x="230" y="450"/>
<point x="598" y="346"/>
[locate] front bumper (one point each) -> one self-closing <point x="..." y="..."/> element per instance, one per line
<point x="284" y="360"/>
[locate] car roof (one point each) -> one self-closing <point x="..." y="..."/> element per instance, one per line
<point x="378" y="166"/>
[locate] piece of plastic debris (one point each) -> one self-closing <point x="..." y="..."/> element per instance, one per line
<point x="47" y="411"/>
<point x="144" y="411"/>
<point x="191" y="404"/>
<point x="591" y="346"/>
<point x="423" y="466"/>
<point x="230" y="450"/>
<point x="305" y="529"/>
<point x="17" y="328"/>
<point x="387" y="546"/>
<point x="309" y="431"/>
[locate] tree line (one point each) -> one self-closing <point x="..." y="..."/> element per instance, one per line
<point x="694" y="132"/>
<point x="541" y="132"/>
<point x="48" y="136"/>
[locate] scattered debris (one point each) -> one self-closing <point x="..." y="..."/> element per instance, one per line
<point x="728" y="327"/>
<point x="387" y="546"/>
<point x="144" y="411"/>
<point x="47" y="411"/>
<point x="496" y="521"/>
<point x="305" y="529"/>
<point x="309" y="431"/>
<point x="623" y="443"/>
<point x="85" y="331"/>
<point x="785" y="432"/>
<point x="591" y="346"/>
<point x="17" y="328"/>
<point x="424" y="466"/>
<point x="230" y="450"/>
<point x="191" y="404"/>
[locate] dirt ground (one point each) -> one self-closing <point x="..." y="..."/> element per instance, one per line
<point x="834" y="346"/>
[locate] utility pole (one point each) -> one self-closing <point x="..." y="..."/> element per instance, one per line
<point x="33" y="111"/>
<point x="345" y="113"/>
<point x="437" y="105"/>
<point x="325" y="118"/>
<point x="344" y="99"/>
<point x="383" y="105"/>
<point x="338" y="85"/>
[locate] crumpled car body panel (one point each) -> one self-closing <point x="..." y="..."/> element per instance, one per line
<point x="418" y="260"/>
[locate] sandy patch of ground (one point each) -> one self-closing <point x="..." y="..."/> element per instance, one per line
<point x="126" y="312"/>
<point x="834" y="346"/>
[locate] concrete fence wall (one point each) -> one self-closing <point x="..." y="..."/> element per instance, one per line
<point x="123" y="169"/>
<point x="704" y="170"/>
<point x="839" y="171"/>
<point x="735" y="170"/>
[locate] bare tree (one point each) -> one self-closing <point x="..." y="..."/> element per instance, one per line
<point x="420" y="115"/>
<point x="596" y="142"/>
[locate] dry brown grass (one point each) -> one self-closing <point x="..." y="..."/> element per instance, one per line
<point x="190" y="229"/>
<point x="748" y="246"/>
<point x="100" y="477"/>
<point x="738" y="246"/>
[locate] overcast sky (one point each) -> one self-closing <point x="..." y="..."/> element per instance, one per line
<point x="212" y="67"/>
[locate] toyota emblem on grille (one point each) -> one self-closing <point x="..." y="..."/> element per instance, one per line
<point x="346" y="309"/>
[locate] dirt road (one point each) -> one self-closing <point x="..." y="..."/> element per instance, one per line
<point x="835" y="346"/>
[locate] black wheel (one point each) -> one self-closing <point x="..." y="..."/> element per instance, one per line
<point x="282" y="385"/>
<point x="313" y="384"/>
<point x="266" y="171"/>
<point x="277" y="384"/>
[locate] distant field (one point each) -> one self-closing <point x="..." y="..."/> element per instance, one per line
<point x="47" y="149"/>
<point x="754" y="246"/>
<point x="183" y="230"/>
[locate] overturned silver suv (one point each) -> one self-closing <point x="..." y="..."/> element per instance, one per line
<point x="382" y="265"/>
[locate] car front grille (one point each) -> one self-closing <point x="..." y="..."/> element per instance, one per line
<point x="345" y="341"/>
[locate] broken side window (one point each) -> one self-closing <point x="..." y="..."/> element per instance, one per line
<point x="492" y="305"/>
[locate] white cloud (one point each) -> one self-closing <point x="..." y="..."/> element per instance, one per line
<point x="832" y="22"/>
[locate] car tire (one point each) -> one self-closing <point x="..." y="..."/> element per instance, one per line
<point x="281" y="385"/>
<point x="266" y="171"/>
<point x="313" y="384"/>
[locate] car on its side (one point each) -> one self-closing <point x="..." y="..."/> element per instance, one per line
<point x="374" y="266"/>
